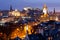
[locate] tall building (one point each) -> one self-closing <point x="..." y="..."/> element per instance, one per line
<point x="45" y="10"/>
<point x="54" y="10"/>
<point x="45" y="15"/>
<point x="11" y="9"/>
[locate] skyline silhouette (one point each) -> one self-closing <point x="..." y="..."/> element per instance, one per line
<point x="20" y="4"/>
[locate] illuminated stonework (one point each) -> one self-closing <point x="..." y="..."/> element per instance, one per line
<point x="45" y="9"/>
<point x="45" y="16"/>
<point x="14" y="13"/>
<point x="17" y="33"/>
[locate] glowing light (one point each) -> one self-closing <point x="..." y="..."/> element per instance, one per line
<point x="18" y="29"/>
<point x="16" y="10"/>
<point x="2" y="19"/>
<point x="27" y="27"/>
<point x="56" y="19"/>
<point x="25" y="9"/>
<point x="1" y="33"/>
<point x="16" y="13"/>
<point x="44" y="11"/>
<point x="16" y="21"/>
<point x="42" y="16"/>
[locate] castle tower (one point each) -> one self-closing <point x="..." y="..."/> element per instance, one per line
<point x="45" y="16"/>
<point x="45" y="10"/>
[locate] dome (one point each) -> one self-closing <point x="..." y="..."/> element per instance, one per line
<point x="26" y="8"/>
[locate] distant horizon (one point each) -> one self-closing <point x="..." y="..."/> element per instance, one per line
<point x="49" y="9"/>
<point x="20" y="4"/>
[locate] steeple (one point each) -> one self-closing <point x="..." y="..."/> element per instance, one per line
<point x="54" y="10"/>
<point x="11" y="8"/>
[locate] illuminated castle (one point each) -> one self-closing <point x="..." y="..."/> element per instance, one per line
<point x="45" y="15"/>
<point x="45" y="10"/>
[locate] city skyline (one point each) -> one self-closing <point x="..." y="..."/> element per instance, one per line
<point x="20" y="4"/>
<point x="29" y="20"/>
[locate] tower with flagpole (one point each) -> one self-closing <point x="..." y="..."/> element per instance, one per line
<point x="45" y="10"/>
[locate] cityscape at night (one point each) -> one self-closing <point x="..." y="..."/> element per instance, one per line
<point x="29" y="19"/>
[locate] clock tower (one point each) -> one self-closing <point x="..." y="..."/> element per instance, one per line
<point x="45" y="10"/>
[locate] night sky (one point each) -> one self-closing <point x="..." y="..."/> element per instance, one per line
<point x="20" y="4"/>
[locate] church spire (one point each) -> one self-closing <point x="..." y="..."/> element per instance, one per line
<point x="54" y="10"/>
<point x="11" y="8"/>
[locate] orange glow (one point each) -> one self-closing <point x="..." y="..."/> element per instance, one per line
<point x="28" y="28"/>
<point x="1" y="34"/>
<point x="42" y="16"/>
<point x="17" y="32"/>
<point x="21" y="34"/>
<point x="15" y="13"/>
